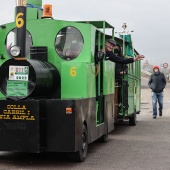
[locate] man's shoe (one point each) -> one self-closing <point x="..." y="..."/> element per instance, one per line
<point x="160" y="113"/>
<point x="154" y="116"/>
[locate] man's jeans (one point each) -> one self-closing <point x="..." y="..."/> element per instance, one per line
<point x="157" y="97"/>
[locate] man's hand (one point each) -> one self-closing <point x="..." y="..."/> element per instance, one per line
<point x="139" y="57"/>
<point x="104" y="51"/>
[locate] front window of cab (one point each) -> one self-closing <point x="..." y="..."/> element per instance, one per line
<point x="69" y="43"/>
<point x="11" y="41"/>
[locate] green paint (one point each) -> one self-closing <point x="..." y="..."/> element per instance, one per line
<point x="77" y="80"/>
<point x="35" y="2"/>
<point x="108" y="77"/>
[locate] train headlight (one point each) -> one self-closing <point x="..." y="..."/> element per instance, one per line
<point x="15" y="51"/>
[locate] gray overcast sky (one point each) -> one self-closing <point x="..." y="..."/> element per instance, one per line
<point x="149" y="19"/>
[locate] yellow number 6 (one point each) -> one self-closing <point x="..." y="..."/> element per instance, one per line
<point x="19" y="21"/>
<point x="73" y="71"/>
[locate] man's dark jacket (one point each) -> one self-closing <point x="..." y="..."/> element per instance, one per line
<point x="117" y="59"/>
<point x="120" y="68"/>
<point x="157" y="82"/>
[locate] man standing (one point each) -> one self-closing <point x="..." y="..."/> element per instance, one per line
<point x="157" y="83"/>
<point x="120" y="69"/>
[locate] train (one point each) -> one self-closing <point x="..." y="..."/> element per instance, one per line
<point x="58" y="94"/>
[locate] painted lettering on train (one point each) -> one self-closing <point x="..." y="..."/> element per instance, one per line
<point x="16" y="112"/>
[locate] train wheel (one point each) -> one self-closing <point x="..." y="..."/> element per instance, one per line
<point x="132" y="120"/>
<point x="81" y="155"/>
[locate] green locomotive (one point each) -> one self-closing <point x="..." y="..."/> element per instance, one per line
<point x="57" y="95"/>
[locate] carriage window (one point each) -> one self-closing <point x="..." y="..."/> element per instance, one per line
<point x="10" y="41"/>
<point x="69" y="43"/>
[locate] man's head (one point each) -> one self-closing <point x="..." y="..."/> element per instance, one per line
<point x="117" y="50"/>
<point x="156" y="69"/>
<point x="110" y="44"/>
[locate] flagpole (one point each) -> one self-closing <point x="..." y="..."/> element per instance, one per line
<point x="124" y="26"/>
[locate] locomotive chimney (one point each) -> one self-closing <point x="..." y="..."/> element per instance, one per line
<point x="20" y="20"/>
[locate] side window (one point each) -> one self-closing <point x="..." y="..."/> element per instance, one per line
<point x="69" y="43"/>
<point x="11" y="40"/>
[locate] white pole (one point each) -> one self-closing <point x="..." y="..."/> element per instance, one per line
<point x="123" y="44"/>
<point x="124" y="27"/>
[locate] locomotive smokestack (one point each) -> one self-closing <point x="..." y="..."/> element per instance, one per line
<point x="21" y="26"/>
